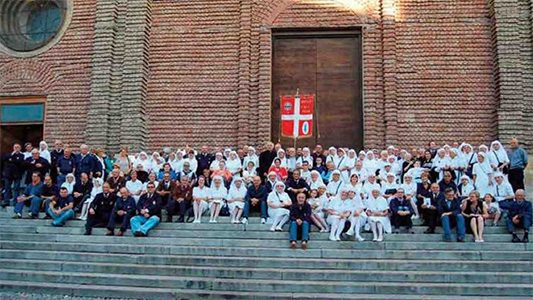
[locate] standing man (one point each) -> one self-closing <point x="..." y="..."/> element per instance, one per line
<point x="65" y="164"/>
<point x="55" y="155"/>
<point x="86" y="162"/>
<point x="266" y="158"/>
<point x="100" y="209"/>
<point x="35" y="163"/>
<point x="450" y="214"/>
<point x="204" y="159"/>
<point x="518" y="163"/>
<point x="12" y="174"/>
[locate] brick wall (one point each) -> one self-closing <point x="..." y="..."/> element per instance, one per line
<point x="169" y="73"/>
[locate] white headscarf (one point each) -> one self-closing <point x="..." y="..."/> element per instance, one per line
<point x="317" y="183"/>
<point x="44" y="153"/>
<point x="235" y="192"/>
<point x="147" y="165"/>
<point x="500" y="154"/>
<point x="233" y="165"/>
<point x="69" y="186"/>
<point x="157" y="161"/>
<point x="97" y="189"/>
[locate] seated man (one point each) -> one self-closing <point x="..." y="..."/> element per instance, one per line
<point x="148" y="212"/>
<point x="48" y="194"/>
<point x="181" y="199"/>
<point x="450" y="214"/>
<point x="255" y="199"/>
<point x="123" y="211"/>
<point x="115" y="181"/>
<point x="295" y="185"/>
<point x="447" y="182"/>
<point x="518" y="216"/>
<point x="60" y="209"/>
<point x="100" y="209"/>
<point x="300" y="218"/>
<point x="31" y="197"/>
<point x="82" y="191"/>
<point x="166" y="188"/>
<point x="402" y="211"/>
<point x="429" y="205"/>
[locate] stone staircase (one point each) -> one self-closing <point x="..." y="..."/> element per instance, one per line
<point x="228" y="261"/>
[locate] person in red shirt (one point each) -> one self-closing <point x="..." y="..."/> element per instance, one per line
<point x="280" y="171"/>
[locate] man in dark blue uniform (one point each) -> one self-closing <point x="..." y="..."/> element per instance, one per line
<point x="12" y="174"/>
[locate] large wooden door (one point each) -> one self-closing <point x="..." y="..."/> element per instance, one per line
<point x="328" y="65"/>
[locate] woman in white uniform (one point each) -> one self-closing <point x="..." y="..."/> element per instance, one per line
<point x="347" y="165"/>
<point x="306" y="156"/>
<point x="410" y="187"/>
<point x="335" y="184"/>
<point x="43" y="151"/>
<point x="315" y="181"/>
<point x="217" y="194"/>
<point x="482" y="173"/>
<point x="251" y="157"/>
<point x="98" y="184"/>
<point x="370" y="164"/>
<point x="236" y="195"/>
<point x="358" y="217"/>
<point x="234" y="165"/>
<point x="369" y="185"/>
<point x="69" y="183"/>
<point x="278" y="206"/>
<point x="378" y="212"/>
<point x="339" y="210"/>
<point x="389" y="187"/>
<point x="200" y="196"/>
<point x="143" y="160"/>
<point x="499" y="155"/>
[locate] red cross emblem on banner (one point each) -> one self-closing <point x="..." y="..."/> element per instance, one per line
<point x="297" y="115"/>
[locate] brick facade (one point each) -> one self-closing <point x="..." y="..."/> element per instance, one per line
<point x="155" y="73"/>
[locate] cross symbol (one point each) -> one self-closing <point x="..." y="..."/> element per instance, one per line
<point x="296" y="117"/>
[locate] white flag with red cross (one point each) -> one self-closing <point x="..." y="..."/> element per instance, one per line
<point x="297" y="115"/>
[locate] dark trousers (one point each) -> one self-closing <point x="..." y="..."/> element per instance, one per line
<point x="398" y="221"/>
<point x="78" y="202"/>
<point x="11" y="190"/>
<point x="261" y="206"/>
<point x="123" y="220"/>
<point x="516" y="178"/>
<point x="430" y="217"/>
<point x="173" y="207"/>
<point x="524" y="223"/>
<point x="100" y="219"/>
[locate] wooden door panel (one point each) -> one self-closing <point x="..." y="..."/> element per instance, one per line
<point x="329" y="67"/>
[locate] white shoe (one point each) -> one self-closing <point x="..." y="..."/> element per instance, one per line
<point x="350" y="232"/>
<point x="481" y="241"/>
<point x="196" y="221"/>
<point x="323" y="230"/>
<point x="374" y="240"/>
<point x="263" y="221"/>
<point x="279" y="228"/>
<point x="359" y="238"/>
<point x="212" y="221"/>
<point x="235" y="222"/>
<point x="332" y="238"/>
<point x="338" y="239"/>
<point x="379" y="239"/>
<point x="244" y="221"/>
<point x="273" y="228"/>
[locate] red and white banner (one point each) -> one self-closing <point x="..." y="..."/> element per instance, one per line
<point x="297" y="115"/>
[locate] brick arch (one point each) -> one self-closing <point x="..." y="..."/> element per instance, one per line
<point x="36" y="77"/>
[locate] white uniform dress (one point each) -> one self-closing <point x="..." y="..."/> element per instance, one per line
<point x="217" y="193"/>
<point x="378" y="205"/>
<point x="278" y="198"/>
<point x="204" y="194"/>
<point x="236" y="193"/>
<point x="339" y="206"/>
<point x="134" y="187"/>
<point x="482" y="172"/>
<point x="334" y="187"/>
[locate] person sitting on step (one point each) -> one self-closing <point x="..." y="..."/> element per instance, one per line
<point x="30" y="197"/>
<point x="181" y="200"/>
<point x="450" y="213"/>
<point x="123" y="211"/>
<point x="300" y="218"/>
<point x="278" y="206"/>
<point x="60" y="209"/>
<point x="401" y="210"/>
<point x="256" y="196"/>
<point x="518" y="216"/>
<point x="429" y="207"/>
<point x="475" y="212"/>
<point x="100" y="209"/>
<point x="339" y="210"/>
<point x="148" y="212"/>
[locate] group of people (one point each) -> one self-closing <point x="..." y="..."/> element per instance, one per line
<point x="337" y="190"/>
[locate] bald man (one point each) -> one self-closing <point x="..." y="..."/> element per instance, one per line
<point x="519" y="215"/>
<point x="255" y="199"/>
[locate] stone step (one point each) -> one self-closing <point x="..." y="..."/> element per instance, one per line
<point x="391" y="244"/>
<point x="268" y="252"/>
<point x="7" y="214"/>
<point x="270" y="273"/>
<point x="271" y="243"/>
<point x="302" y="262"/>
<point x="262" y="285"/>
<point x="211" y="227"/>
<point x="77" y="290"/>
<point x="239" y="234"/>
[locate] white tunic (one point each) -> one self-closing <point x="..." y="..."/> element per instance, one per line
<point x="202" y="193"/>
<point x="134" y="187"/>
<point x="379" y="205"/>
<point x="277" y="198"/>
<point x="334" y="187"/>
<point x="482" y="182"/>
<point x="236" y="194"/>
